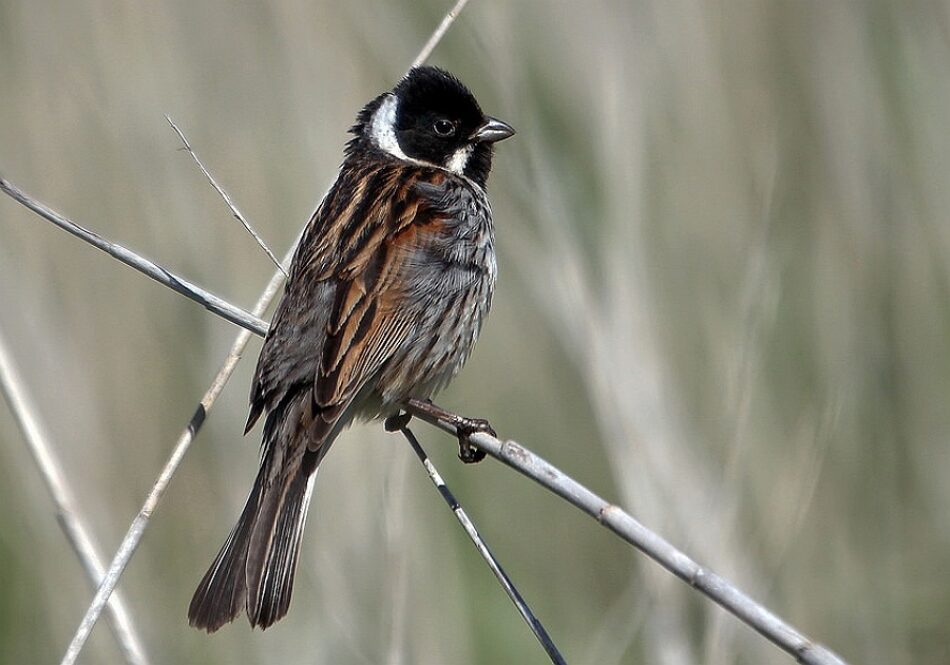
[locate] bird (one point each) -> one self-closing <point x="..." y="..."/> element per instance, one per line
<point x="386" y="296"/>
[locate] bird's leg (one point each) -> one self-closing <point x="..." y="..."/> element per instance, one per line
<point x="397" y="421"/>
<point x="464" y="428"/>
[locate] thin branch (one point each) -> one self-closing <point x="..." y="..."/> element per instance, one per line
<point x="210" y="301"/>
<point x="614" y="518"/>
<point x="533" y="623"/>
<point x="439" y="33"/>
<point x="25" y="415"/>
<point x="519" y="458"/>
<point x="134" y="535"/>
<point x="227" y="199"/>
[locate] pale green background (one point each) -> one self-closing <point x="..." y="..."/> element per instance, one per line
<point x="724" y="304"/>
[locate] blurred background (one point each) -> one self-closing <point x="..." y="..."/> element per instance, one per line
<point x="724" y="303"/>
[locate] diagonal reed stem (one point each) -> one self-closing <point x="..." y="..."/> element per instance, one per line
<point x="238" y="215"/>
<point x="211" y="302"/>
<point x="68" y="516"/>
<point x="712" y="585"/>
<point x="137" y="529"/>
<point x="439" y="33"/>
<point x="522" y="606"/>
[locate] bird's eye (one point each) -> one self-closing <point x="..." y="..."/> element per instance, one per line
<point x="444" y="127"/>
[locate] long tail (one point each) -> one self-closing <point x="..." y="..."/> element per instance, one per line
<point x="255" y="568"/>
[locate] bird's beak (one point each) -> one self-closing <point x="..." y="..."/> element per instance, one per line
<point x="493" y="130"/>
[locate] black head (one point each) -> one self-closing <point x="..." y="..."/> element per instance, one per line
<point x="431" y="117"/>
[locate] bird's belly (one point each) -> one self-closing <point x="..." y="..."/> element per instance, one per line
<point x="442" y="341"/>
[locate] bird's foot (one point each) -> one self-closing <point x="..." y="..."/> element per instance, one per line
<point x="397" y="422"/>
<point x="464" y="428"/>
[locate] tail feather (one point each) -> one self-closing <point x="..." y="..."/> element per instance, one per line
<point x="274" y="550"/>
<point x="221" y="594"/>
<point x="254" y="571"/>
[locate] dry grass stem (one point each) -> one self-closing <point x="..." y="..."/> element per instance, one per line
<point x="439" y="33"/>
<point x="25" y="415"/>
<point x="624" y="525"/>
<point x="227" y="199"/>
<point x="519" y="602"/>
<point x="210" y="301"/>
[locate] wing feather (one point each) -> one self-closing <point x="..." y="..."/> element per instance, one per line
<point x="343" y="314"/>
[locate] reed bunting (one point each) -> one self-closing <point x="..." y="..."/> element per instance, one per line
<point x="386" y="297"/>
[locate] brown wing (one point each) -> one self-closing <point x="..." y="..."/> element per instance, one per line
<point x="343" y="312"/>
<point x="372" y="317"/>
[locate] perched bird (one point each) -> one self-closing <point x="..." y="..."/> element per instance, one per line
<point x="386" y="297"/>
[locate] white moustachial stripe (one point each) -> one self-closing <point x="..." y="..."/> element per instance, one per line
<point x="383" y="129"/>
<point x="383" y="134"/>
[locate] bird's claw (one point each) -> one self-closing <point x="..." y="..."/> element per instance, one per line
<point x="468" y="453"/>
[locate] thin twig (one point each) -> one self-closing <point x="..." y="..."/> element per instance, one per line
<point x="224" y="195"/>
<point x="439" y="33"/>
<point x="210" y="301"/>
<point x="624" y="525"/>
<point x="250" y="322"/>
<point x="134" y="535"/>
<point x="518" y="457"/>
<point x="536" y="627"/>
<point x="25" y="415"/>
